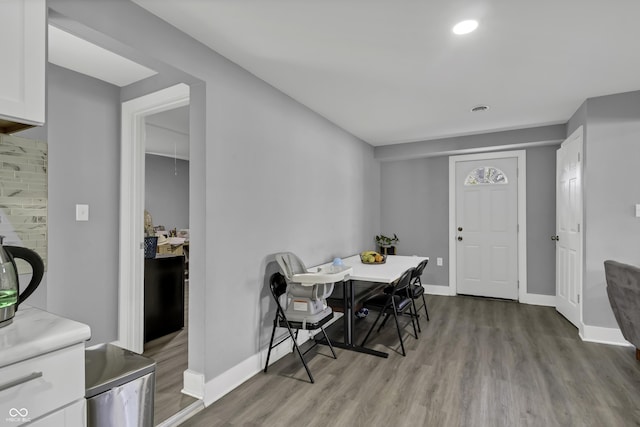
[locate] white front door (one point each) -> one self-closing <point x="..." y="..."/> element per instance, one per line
<point x="487" y="227"/>
<point x="569" y="229"/>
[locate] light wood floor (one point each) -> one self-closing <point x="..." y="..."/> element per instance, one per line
<point x="170" y="354"/>
<point x="478" y="362"/>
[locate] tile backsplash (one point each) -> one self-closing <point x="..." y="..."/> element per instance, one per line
<point x="23" y="194"/>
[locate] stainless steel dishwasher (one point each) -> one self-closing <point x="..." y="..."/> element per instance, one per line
<point x="120" y="387"/>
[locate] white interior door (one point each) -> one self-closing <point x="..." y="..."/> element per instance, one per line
<point x="487" y="227"/>
<point x="569" y="229"/>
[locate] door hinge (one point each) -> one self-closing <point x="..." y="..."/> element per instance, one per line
<point x="578" y="298"/>
<point x="518" y="284"/>
<point x="578" y="156"/>
<point x="578" y="227"/>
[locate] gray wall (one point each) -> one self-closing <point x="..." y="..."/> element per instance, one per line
<point x="415" y="205"/>
<point x="267" y="175"/>
<point x="612" y="151"/>
<point x="541" y="220"/>
<point x="83" y="133"/>
<point x="167" y="191"/>
<point x="414" y="198"/>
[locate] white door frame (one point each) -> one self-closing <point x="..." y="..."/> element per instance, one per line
<point x="522" y="215"/>
<point x="132" y="188"/>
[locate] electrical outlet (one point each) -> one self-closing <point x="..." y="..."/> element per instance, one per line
<point x="82" y="212"/>
<point x="439" y="262"/>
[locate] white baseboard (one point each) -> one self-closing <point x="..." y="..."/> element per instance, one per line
<point x="193" y="384"/>
<point x="598" y="334"/>
<point x="533" y="299"/>
<point x="438" y="290"/>
<point x="537" y="299"/>
<point x="232" y="378"/>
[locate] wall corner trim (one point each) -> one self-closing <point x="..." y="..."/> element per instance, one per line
<point x="193" y="384"/>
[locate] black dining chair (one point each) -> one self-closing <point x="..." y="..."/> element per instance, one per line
<point x="278" y="287"/>
<point x="416" y="291"/>
<point x="394" y="303"/>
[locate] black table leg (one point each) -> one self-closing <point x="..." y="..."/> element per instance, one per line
<point x="348" y="300"/>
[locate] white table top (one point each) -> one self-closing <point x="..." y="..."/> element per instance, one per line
<point x="388" y="272"/>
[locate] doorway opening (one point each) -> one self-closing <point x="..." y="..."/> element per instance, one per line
<point x="166" y="283"/>
<point x="131" y="306"/>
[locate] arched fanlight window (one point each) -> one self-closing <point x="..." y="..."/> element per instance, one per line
<point x="486" y="175"/>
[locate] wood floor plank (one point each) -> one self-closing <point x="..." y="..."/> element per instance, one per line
<point x="478" y="362"/>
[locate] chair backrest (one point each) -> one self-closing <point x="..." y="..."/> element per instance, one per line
<point x="290" y="264"/>
<point x="404" y="281"/>
<point x="278" y="285"/>
<point x="420" y="268"/>
<point x="623" y="289"/>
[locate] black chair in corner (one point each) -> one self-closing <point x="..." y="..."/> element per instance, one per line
<point x="278" y="287"/>
<point x="416" y="290"/>
<point x="393" y="304"/>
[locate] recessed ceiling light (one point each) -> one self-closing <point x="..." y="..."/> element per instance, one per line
<point x="465" y="27"/>
<point x="479" y="108"/>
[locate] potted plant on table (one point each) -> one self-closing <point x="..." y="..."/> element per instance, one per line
<point x="387" y="244"/>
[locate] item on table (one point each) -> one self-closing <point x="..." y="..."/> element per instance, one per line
<point x="372" y="257"/>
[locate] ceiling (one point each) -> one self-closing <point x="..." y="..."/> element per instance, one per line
<point x="393" y="71"/>
<point x="167" y="133"/>
<point x="69" y="51"/>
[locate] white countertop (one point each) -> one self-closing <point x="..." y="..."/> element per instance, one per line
<point x="35" y="332"/>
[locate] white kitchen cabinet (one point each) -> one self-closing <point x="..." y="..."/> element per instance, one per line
<point x="72" y="415"/>
<point x="23" y="25"/>
<point x="42" y="370"/>
<point x="43" y="384"/>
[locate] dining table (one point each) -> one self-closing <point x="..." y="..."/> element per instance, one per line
<point x="386" y="272"/>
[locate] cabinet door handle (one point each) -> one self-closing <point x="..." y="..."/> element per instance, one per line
<point x="19" y="381"/>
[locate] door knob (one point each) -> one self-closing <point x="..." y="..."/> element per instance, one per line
<point x="459" y="238"/>
<point x="459" y="228"/>
<point x="556" y="238"/>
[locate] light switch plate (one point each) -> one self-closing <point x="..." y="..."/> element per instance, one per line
<point x="82" y="212"/>
<point x="439" y="262"/>
<point x="638" y="210"/>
